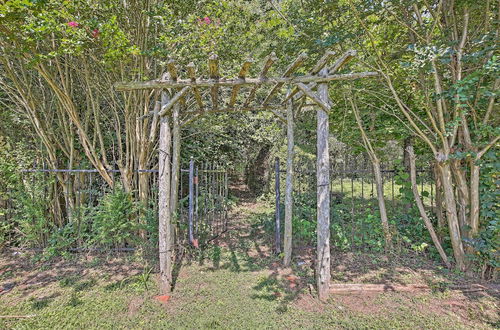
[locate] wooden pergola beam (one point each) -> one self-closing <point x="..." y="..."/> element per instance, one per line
<point x="263" y="75"/>
<point x="157" y="84"/>
<point x="322" y="62"/>
<point x="288" y="72"/>
<point x="191" y="69"/>
<point x="241" y="75"/>
<point x="344" y="59"/>
<point x="309" y="93"/>
<point x="213" y="69"/>
<point x="172" y="69"/>
<point x="166" y="109"/>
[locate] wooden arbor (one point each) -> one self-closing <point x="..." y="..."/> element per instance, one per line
<point x="193" y="97"/>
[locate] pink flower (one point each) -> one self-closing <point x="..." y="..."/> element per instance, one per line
<point x="207" y="20"/>
<point x="95" y="33"/>
<point x="73" y="24"/>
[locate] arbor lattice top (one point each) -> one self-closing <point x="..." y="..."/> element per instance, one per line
<point x="209" y="101"/>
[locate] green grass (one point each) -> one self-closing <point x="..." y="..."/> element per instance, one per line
<point x="225" y="287"/>
<point x="230" y="297"/>
<point x="364" y="189"/>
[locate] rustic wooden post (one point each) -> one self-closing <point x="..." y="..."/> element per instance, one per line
<point x="165" y="238"/>
<point x="191" y="201"/>
<point x="289" y="185"/>
<point x="277" y="236"/>
<point x="323" y="195"/>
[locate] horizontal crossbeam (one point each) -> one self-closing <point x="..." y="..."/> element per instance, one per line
<point x="157" y="84"/>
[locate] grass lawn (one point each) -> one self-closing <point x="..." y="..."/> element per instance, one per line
<point x="235" y="284"/>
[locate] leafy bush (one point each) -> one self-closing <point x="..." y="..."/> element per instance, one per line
<point x="487" y="243"/>
<point x="27" y="224"/>
<point x="114" y="223"/>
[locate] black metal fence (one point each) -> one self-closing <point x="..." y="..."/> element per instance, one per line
<point x="355" y="221"/>
<point x="204" y="201"/>
<point x="52" y="198"/>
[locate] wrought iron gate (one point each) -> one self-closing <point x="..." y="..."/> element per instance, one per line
<point x="204" y="202"/>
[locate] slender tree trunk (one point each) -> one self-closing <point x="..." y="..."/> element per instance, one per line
<point x="143" y="199"/>
<point x="439" y="208"/>
<point x="462" y="195"/>
<point x="165" y="237"/>
<point x="452" y="215"/>
<point x="378" y="177"/>
<point x="408" y="142"/>
<point x="474" y="199"/>
<point x="289" y="186"/>
<point x="420" y="205"/>
<point x="381" y="204"/>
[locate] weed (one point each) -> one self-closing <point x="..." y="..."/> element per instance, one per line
<point x="38" y="304"/>
<point x="74" y="300"/>
<point x="84" y="285"/>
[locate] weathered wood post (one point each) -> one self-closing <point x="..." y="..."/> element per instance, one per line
<point x="277" y="234"/>
<point x="191" y="201"/>
<point x="323" y="195"/>
<point x="289" y="185"/>
<point x="165" y="238"/>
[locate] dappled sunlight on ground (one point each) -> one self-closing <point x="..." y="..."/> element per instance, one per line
<point x="236" y="282"/>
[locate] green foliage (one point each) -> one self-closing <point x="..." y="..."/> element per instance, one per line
<point x="25" y="194"/>
<point x="487" y="243"/>
<point x="114" y="223"/>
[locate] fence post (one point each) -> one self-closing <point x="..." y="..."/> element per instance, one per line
<point x="277" y="188"/>
<point x="191" y="201"/>
<point x="287" y="242"/>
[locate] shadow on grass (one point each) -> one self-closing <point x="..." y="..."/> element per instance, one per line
<point x="282" y="290"/>
<point x="30" y="275"/>
<point x="41" y="303"/>
<point x="176" y="270"/>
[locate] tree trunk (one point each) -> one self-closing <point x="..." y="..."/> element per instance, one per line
<point x="452" y="215"/>
<point x="257" y="173"/>
<point x="381" y="204"/>
<point x="143" y="198"/>
<point x="420" y="205"/>
<point x="165" y="237"/>
<point x="289" y="186"/>
<point x="474" y="199"/>
<point x="408" y="142"/>
<point x="323" y="198"/>
<point x="439" y="208"/>
<point x="462" y="195"/>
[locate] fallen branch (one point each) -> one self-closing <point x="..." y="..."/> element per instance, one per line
<point x="357" y="287"/>
<point x="339" y="288"/>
